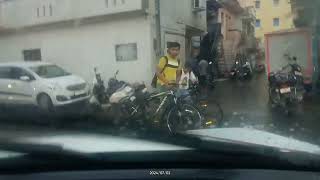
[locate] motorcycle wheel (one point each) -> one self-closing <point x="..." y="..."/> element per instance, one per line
<point x="274" y="96"/>
<point x="186" y="117"/>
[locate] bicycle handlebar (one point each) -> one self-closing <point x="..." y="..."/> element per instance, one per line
<point x="177" y="84"/>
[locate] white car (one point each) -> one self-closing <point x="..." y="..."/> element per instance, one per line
<point x="42" y="84"/>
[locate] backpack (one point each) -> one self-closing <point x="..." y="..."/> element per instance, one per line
<point x="155" y="77"/>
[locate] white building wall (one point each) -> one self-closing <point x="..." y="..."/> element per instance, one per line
<point x="81" y="48"/>
<point x="20" y="13"/>
<point x="176" y="15"/>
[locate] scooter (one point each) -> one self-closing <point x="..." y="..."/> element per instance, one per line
<point x="99" y="90"/>
<point x="100" y="94"/>
<point x="241" y="69"/>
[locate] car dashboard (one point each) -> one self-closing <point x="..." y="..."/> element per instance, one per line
<point x="183" y="174"/>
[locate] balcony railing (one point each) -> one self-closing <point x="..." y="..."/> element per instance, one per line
<point x="249" y="13"/>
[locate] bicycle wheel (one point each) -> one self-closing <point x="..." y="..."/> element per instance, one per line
<point x="186" y="117"/>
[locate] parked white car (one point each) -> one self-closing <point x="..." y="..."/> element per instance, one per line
<point x="42" y="84"/>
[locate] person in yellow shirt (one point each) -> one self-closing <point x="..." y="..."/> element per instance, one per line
<point x="169" y="69"/>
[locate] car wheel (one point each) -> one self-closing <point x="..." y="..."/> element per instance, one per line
<point x="45" y="103"/>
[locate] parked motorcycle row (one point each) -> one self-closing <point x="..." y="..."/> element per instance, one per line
<point x="286" y="86"/>
<point x="133" y="106"/>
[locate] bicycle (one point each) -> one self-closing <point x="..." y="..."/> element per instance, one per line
<point x="212" y="110"/>
<point x="171" y="112"/>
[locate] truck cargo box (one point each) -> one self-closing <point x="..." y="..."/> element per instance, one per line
<point x="293" y="42"/>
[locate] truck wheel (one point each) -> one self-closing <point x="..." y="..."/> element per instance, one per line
<point x="45" y="103"/>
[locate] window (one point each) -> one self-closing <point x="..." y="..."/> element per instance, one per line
<point x="276" y="22"/>
<point x="16" y="73"/>
<point x="32" y="55"/>
<point x="5" y="72"/>
<point x="276" y="2"/>
<point x="50" y="10"/>
<point x="258" y="23"/>
<point x="49" y="71"/>
<point x="196" y="3"/>
<point x="126" y="52"/>
<point x="107" y="3"/>
<point x="38" y="12"/>
<point x="257" y="4"/>
<point x="44" y="10"/>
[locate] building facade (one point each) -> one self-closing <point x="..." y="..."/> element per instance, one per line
<point x="236" y="25"/>
<point x="271" y="15"/>
<point x="124" y="35"/>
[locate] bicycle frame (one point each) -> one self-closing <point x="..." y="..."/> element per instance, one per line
<point x="166" y="95"/>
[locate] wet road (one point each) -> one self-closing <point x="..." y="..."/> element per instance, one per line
<point x="245" y="104"/>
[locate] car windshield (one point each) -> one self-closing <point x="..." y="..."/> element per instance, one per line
<point x="49" y="71"/>
<point x="110" y="71"/>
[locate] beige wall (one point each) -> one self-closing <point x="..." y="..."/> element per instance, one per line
<point x="228" y="22"/>
<point x="267" y="12"/>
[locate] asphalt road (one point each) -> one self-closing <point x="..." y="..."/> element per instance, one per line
<point x="245" y="104"/>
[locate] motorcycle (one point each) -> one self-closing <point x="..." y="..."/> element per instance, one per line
<point x="125" y="105"/>
<point x="99" y="95"/>
<point x="241" y="69"/>
<point x="114" y="85"/>
<point x="286" y="87"/>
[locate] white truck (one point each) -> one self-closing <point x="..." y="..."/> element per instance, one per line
<point x="294" y="43"/>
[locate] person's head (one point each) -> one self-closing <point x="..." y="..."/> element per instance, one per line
<point x="173" y="49"/>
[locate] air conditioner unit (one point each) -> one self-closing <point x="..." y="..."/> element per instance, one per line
<point x="199" y="5"/>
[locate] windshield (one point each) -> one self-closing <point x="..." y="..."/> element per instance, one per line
<point x="49" y="71"/>
<point x="244" y="71"/>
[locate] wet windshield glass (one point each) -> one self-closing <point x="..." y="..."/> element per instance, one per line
<point x="91" y="74"/>
<point x="49" y="71"/>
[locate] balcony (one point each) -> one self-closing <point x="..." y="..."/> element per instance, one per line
<point x="249" y="13"/>
<point x="232" y="6"/>
<point x="17" y="14"/>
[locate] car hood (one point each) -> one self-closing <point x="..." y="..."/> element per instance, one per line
<point x="96" y="143"/>
<point x="65" y="81"/>
<point x="92" y="143"/>
<point x="256" y="137"/>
